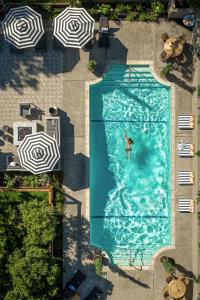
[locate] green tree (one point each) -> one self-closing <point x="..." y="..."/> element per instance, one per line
<point x="34" y="274"/>
<point x="38" y="221"/>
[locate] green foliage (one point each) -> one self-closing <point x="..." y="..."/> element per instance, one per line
<point x="147" y="17"/>
<point x="194" y="3"/>
<point x="198" y="90"/>
<point x="34" y="274"/>
<point x="99" y="266"/>
<point x="50" y="12"/>
<point x="38" y="222"/>
<point x="75" y="3"/>
<point x="91" y="65"/>
<point x="105" y="9"/>
<point x="168" y="265"/>
<point x="197" y="153"/>
<point x="139" y="7"/>
<point x="196" y="278"/>
<point x="157" y="8"/>
<point x="131" y="16"/>
<point x="26" y="226"/>
<point x="198" y="197"/>
<point x="94" y="12"/>
<point x="198" y="298"/>
<point x="166" y="70"/>
<point x="15" y="180"/>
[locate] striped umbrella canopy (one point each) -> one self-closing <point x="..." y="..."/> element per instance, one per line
<point x="74" y="27"/>
<point x="38" y="153"/>
<point x="23" y="27"/>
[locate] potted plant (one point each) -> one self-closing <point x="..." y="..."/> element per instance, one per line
<point x="198" y="90"/>
<point x="168" y="264"/>
<point x="91" y="65"/>
<point x="98" y="264"/>
<point x="166" y="70"/>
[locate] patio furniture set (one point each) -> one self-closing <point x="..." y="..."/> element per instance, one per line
<point x="173" y="48"/>
<point x="186" y="204"/>
<point x="70" y="290"/>
<point x="176" y="287"/>
<point x="23" y="131"/>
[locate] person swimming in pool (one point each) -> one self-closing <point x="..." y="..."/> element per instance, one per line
<point x="128" y="147"/>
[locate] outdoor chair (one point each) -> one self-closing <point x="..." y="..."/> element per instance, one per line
<point x="165" y="293"/>
<point x="181" y="59"/>
<point x="182" y="39"/>
<point x="185" y="205"/>
<point x="25" y="109"/>
<point x="184" y="278"/>
<point x="185" y="178"/>
<point x="164" y="37"/>
<point x="163" y="56"/>
<point x="186" y="122"/>
<point x="169" y="278"/>
<point x="73" y="284"/>
<point x="185" y="150"/>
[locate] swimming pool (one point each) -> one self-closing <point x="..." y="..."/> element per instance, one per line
<point x="130" y="197"/>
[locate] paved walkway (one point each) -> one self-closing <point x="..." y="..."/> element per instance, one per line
<point x="57" y="77"/>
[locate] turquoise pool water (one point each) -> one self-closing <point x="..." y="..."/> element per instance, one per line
<point x="129" y="197"/>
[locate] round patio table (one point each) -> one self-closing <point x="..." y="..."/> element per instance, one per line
<point x="172" y="47"/>
<point x="176" y="288"/>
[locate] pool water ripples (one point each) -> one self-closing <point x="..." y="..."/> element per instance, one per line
<point x="135" y="213"/>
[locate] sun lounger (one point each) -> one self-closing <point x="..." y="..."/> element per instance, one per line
<point x="94" y="294"/>
<point x="186" y="205"/>
<point x="186" y="122"/>
<point x="73" y="284"/>
<point x="185" y="178"/>
<point x="185" y="150"/>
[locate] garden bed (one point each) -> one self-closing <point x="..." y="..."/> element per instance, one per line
<point x="28" y="225"/>
<point x="116" y="10"/>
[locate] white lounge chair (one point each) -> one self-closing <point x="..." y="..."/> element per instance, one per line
<point x="186" y="205"/>
<point x="186" y="122"/>
<point x="185" y="150"/>
<point x="185" y="178"/>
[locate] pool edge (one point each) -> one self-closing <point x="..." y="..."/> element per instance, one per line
<point x="172" y="151"/>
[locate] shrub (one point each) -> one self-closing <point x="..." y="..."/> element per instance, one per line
<point x="198" y="152"/>
<point x="168" y="265"/>
<point x="105" y="9"/>
<point x="198" y="90"/>
<point x="94" y="12"/>
<point x="196" y="278"/>
<point x="99" y="266"/>
<point x="157" y="8"/>
<point x="139" y="7"/>
<point x="166" y="70"/>
<point x="91" y="65"/>
<point x="75" y="3"/>
<point x="131" y="16"/>
<point x="147" y="17"/>
<point x="10" y="181"/>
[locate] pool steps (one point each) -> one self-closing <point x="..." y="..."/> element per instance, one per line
<point x="137" y="76"/>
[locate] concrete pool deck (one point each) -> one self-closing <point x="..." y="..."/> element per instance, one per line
<point x="58" y="78"/>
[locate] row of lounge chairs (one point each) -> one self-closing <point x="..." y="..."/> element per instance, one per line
<point x="186" y="204"/>
<point x="70" y="290"/>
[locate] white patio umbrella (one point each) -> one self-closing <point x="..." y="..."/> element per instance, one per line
<point x="23" y="27"/>
<point x="74" y="27"/>
<point x="38" y="153"/>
